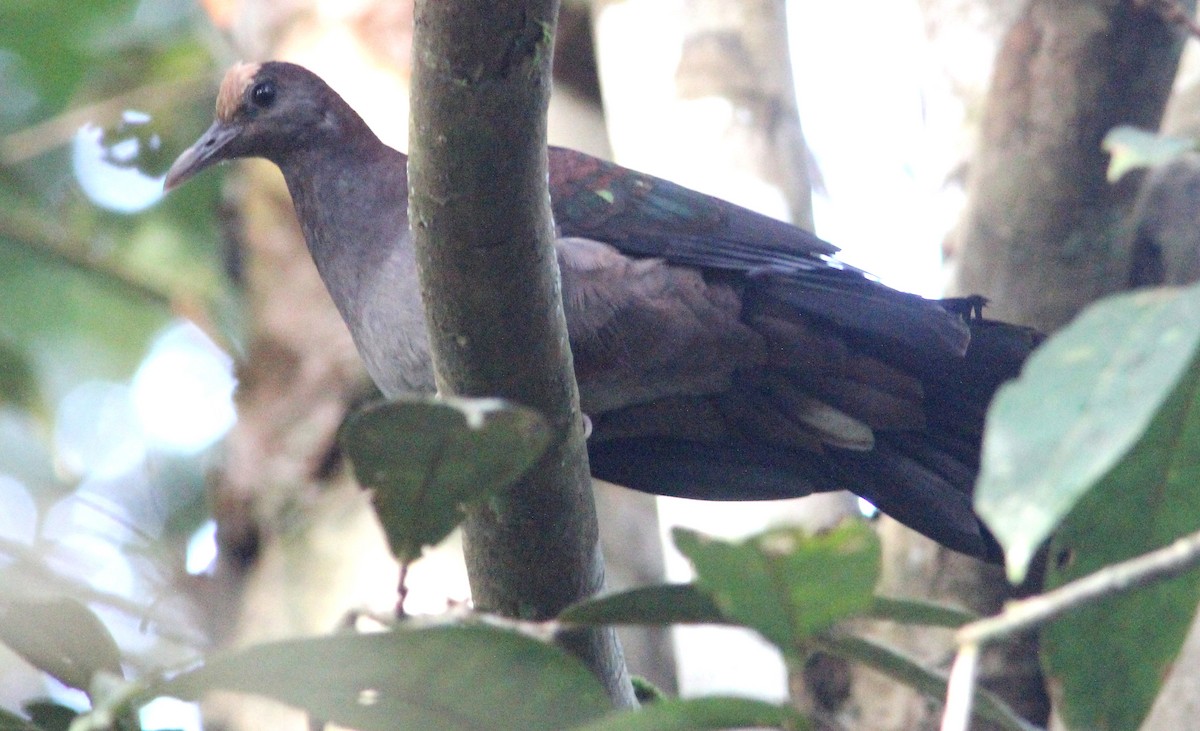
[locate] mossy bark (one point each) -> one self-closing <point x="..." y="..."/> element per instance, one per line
<point x="480" y="212"/>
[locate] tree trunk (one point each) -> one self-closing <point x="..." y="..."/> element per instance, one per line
<point x="1165" y="244"/>
<point x="1042" y="234"/>
<point x="489" y="278"/>
<point x="1037" y="240"/>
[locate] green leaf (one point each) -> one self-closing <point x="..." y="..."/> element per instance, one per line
<point x="449" y="678"/>
<point x="911" y="611"/>
<point x="60" y="636"/>
<point x="1131" y="148"/>
<point x="699" y="714"/>
<point x="1084" y="399"/>
<point x="784" y="583"/>
<point x="648" y="605"/>
<point x="50" y="716"/>
<point x="1107" y="661"/>
<point x="18" y="382"/>
<point x="71" y="324"/>
<point x="900" y="667"/>
<point x="12" y="722"/>
<point x="667" y="604"/>
<point x="645" y="691"/>
<point x="425" y="457"/>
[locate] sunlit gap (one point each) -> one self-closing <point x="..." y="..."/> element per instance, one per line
<point x="180" y="401"/>
<point x="202" y="549"/>
<point x="18" y="519"/>
<point x="107" y="173"/>
<point x="170" y="713"/>
<point x="182" y="393"/>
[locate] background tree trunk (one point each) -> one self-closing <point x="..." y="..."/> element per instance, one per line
<point x="1043" y="232"/>
<point x="1041" y="236"/>
<point x="1164" y="241"/>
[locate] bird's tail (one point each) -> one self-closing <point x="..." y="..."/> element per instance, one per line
<point x="883" y="420"/>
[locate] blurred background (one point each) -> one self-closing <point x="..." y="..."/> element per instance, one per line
<point x="172" y="374"/>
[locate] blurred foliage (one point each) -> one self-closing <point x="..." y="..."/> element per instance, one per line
<point x="50" y="716"/>
<point x="805" y="594"/>
<point x="812" y="581"/>
<point x="1131" y="148"/>
<point x="60" y="636"/>
<point x="437" y="678"/>
<point x="84" y="290"/>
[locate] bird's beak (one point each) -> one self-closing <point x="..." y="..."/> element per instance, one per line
<point x="205" y="152"/>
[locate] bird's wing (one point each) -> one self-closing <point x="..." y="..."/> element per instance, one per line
<point x="646" y="216"/>
<point x="650" y="216"/>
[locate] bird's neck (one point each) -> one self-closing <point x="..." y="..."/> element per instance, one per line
<point x="352" y="203"/>
<point x="353" y="207"/>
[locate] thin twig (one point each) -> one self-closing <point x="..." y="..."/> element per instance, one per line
<point x="402" y="590"/>
<point x="49" y="238"/>
<point x="167" y="624"/>
<point x="1164" y="563"/>
<point x="31" y="142"/>
<point x="960" y="689"/>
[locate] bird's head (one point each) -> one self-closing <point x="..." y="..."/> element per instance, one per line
<point x="263" y="110"/>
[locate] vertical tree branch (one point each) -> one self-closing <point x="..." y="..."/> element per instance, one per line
<point x="489" y="278"/>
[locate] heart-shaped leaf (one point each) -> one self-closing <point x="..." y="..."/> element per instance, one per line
<point x="425" y="457"/>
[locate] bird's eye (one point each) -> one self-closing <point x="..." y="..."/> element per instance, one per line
<point x="263" y="94"/>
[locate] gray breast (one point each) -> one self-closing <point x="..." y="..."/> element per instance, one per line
<point x="389" y="327"/>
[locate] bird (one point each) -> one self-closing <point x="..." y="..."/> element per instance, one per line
<point x="720" y="354"/>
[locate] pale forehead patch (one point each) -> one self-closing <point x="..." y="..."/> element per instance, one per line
<point x="233" y="86"/>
